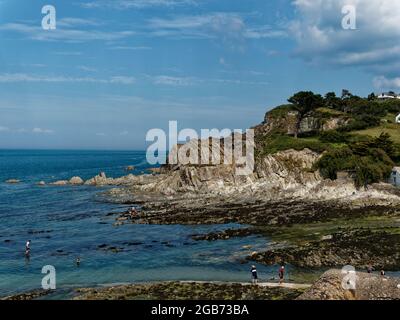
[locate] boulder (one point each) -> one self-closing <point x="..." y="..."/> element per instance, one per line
<point x="76" y="181"/>
<point x="59" y="183"/>
<point x="130" y="168"/>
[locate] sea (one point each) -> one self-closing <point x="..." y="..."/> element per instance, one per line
<point x="67" y="222"/>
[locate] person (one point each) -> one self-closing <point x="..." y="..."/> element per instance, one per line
<point x="28" y="248"/>
<point x="281" y="273"/>
<point x="382" y="273"/>
<point x="78" y="261"/>
<point x="254" y="274"/>
<point x="370" y="268"/>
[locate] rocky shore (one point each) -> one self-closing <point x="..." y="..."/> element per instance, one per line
<point x="188" y="291"/>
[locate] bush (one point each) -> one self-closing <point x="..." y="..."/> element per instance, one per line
<point x="367" y="162"/>
<point x="334" y="136"/>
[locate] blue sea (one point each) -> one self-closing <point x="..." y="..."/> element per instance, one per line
<point x="66" y="222"/>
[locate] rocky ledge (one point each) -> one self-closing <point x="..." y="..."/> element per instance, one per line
<point x="188" y="291"/>
<point x="358" y="248"/>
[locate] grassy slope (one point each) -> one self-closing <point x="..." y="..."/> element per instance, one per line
<point x="387" y="125"/>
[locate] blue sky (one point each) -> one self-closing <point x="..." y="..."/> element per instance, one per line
<point x="113" y="69"/>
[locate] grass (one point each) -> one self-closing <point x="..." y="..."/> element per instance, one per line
<point x="393" y="129"/>
<point x="274" y="144"/>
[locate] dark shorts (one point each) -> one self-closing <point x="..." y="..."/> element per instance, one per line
<point x="255" y="275"/>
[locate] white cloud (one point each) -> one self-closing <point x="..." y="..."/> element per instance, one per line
<point x="228" y="26"/>
<point x="373" y="46"/>
<point x="100" y="134"/>
<point x="173" y="81"/>
<point x="382" y="82"/>
<point x="130" y="48"/>
<point x="40" y="130"/>
<point x="64" y="34"/>
<point x="135" y="4"/>
<point x="122" y="80"/>
<point x="2" y="129"/>
<point x="22" y="77"/>
<point x="124" y="133"/>
<point x="76" y="22"/>
<point x="87" y="69"/>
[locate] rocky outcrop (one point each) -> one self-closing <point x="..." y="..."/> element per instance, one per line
<point x="284" y="120"/>
<point x="332" y="285"/>
<point x="76" y="181"/>
<point x="357" y="248"/>
<point x="60" y="183"/>
<point x="13" y="181"/>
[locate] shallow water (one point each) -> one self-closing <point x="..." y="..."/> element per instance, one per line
<point x="66" y="222"/>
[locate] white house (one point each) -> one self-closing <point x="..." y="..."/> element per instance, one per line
<point x="395" y="177"/>
<point x="388" y="95"/>
<point x="398" y="118"/>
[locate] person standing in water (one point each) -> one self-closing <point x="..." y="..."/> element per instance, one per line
<point x="78" y="261"/>
<point x="254" y="274"/>
<point x="281" y="273"/>
<point x="28" y="248"/>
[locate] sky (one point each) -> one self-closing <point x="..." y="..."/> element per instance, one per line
<point x="114" y="69"/>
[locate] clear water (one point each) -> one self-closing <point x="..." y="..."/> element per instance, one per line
<point x="66" y="222"/>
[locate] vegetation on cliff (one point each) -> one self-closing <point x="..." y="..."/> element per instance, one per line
<point x="356" y="135"/>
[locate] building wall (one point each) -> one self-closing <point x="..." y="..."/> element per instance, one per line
<point x="395" y="178"/>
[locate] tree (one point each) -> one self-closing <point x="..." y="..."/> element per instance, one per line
<point x="385" y="143"/>
<point x="346" y="94"/>
<point x="304" y="102"/>
<point x="331" y="101"/>
<point x="371" y="97"/>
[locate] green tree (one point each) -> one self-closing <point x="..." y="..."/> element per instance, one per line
<point x="304" y="102"/>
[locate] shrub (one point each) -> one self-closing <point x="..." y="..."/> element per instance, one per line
<point x="334" y="136"/>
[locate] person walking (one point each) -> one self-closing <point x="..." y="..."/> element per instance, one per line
<point x="254" y="274"/>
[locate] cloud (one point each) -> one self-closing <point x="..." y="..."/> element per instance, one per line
<point x="124" y="133"/>
<point x="3" y="129"/>
<point x="68" y="53"/>
<point x="87" y="69"/>
<point x="77" y="22"/>
<point x="130" y="48"/>
<point x="382" y="82"/>
<point x="42" y="131"/>
<point x="373" y="46"/>
<point x="228" y="26"/>
<point x="122" y="80"/>
<point x="135" y="4"/>
<point x="173" y="81"/>
<point x="64" y="34"/>
<point x="190" y="81"/>
<point x="100" y="134"/>
<point x="22" y="77"/>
